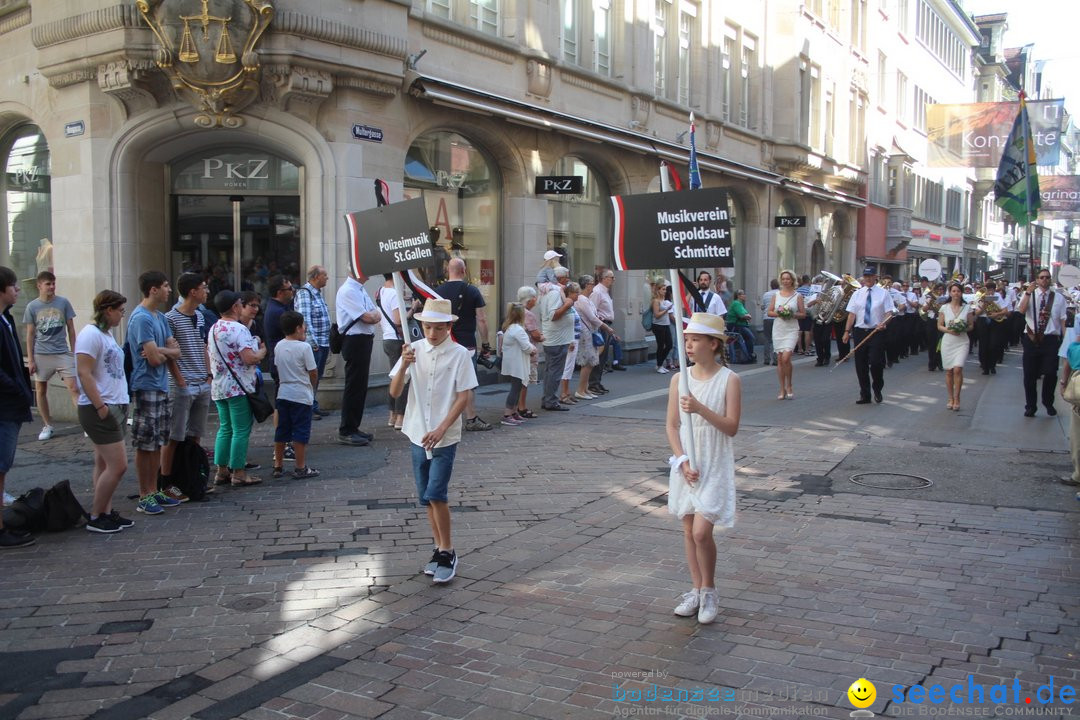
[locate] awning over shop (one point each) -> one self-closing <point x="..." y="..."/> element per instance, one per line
<point x="451" y="94"/>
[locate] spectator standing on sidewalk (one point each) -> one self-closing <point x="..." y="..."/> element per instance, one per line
<point x="439" y="388"/>
<point x="701" y="492"/>
<point x="527" y="297"/>
<point x="468" y="306"/>
<point x="50" y="337"/>
<point x="102" y="407"/>
<point x="588" y="357"/>
<point x="297" y="373"/>
<point x="15" y="394"/>
<point x="557" y="327"/>
<point x="309" y="302"/>
<point x="605" y="310"/>
<point x="517" y="352"/>
<point x="153" y="349"/>
<point x="357" y="317"/>
<point x="189" y="395"/>
<point x="661" y="310"/>
<point x="767" y="322"/>
<point x="393" y="338"/>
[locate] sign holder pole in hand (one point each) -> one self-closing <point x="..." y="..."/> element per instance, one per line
<point x="676" y="294"/>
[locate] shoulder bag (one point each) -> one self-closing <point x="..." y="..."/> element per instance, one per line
<point x="1071" y="393"/>
<point x="261" y="407"/>
<point x="337" y="337"/>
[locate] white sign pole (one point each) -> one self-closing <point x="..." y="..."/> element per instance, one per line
<point x="676" y="294"/>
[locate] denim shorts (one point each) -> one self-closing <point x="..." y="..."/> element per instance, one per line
<point x="9" y="438"/>
<point x="432" y="476"/>
<point x="293" y="422"/>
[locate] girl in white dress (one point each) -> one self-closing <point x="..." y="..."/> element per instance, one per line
<point x="788" y="308"/>
<point x="703" y="496"/>
<point x="954" y="342"/>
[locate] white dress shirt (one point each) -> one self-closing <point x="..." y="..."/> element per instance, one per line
<point x="351" y="302"/>
<point x="1055" y="324"/>
<point x="714" y="304"/>
<point x="601" y="298"/>
<point x="434" y="381"/>
<point x="880" y="303"/>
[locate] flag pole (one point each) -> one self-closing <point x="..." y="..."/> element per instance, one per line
<point x="676" y="295"/>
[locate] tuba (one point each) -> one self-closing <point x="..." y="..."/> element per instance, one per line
<point x="833" y="300"/>
<point x="989" y="306"/>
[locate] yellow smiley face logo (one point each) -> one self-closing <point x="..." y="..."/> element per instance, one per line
<point x="862" y="693"/>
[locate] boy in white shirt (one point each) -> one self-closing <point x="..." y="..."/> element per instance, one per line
<point x="441" y="384"/>
<point x="297" y="376"/>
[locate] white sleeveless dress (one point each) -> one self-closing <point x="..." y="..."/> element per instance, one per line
<point x="954" y="348"/>
<point x="785" y="331"/>
<point x="713" y="496"/>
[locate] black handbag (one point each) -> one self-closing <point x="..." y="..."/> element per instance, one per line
<point x="261" y="407"/>
<point x="337" y="337"/>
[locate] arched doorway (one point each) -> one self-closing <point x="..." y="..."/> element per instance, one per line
<point x="27" y="208"/>
<point x="460" y="186"/>
<point x="580" y="225"/>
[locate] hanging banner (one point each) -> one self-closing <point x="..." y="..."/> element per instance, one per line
<point x="1060" y="195"/>
<point x="389" y="238"/>
<point x="973" y="135"/>
<point x="672" y="230"/>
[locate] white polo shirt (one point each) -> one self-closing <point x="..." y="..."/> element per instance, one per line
<point x="434" y="380"/>
<point x="880" y="303"/>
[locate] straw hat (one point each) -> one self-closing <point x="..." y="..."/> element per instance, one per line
<point x="436" y="310"/>
<point x="706" y="324"/>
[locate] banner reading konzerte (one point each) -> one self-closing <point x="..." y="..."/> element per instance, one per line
<point x="672" y="230"/>
<point x="1060" y="195"/>
<point x="972" y="135"/>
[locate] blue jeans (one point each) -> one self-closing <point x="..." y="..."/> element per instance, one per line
<point x="321" y="354"/>
<point x="432" y="476"/>
<point x="9" y="438"/>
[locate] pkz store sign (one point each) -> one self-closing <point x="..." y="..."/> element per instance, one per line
<point x="236" y="171"/>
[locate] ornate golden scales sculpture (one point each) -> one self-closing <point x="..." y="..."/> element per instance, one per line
<point x="189" y="53"/>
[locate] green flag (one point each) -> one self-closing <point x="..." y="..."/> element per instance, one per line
<point x="1016" y="188"/>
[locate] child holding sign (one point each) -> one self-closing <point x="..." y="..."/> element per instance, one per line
<point x="439" y="387"/>
<point x="703" y="497"/>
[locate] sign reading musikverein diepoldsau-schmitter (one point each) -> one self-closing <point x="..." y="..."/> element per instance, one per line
<point x="389" y="238"/>
<point x="672" y="229"/>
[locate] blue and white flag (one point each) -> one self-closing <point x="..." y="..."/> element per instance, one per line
<point x="694" y="171"/>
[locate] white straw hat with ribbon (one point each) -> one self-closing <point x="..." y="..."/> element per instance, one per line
<point x="706" y="324"/>
<point x="436" y="311"/>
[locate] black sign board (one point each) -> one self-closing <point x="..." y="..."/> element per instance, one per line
<point x="786" y="221"/>
<point x="389" y="238"/>
<point x="559" y="184"/>
<point x="366" y="132"/>
<point x="672" y="230"/>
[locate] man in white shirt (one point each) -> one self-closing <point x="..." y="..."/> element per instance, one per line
<point x="357" y="318"/>
<point x="711" y="302"/>
<point x="557" y="326"/>
<point x="869" y="309"/>
<point x="1044" y="323"/>
<point x="767" y="322"/>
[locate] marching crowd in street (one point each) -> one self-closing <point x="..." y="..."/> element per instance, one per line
<point x="203" y="350"/>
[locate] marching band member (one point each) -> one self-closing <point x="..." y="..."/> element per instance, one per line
<point x="1044" y="322"/>
<point x="988" y="330"/>
<point x="894" y="345"/>
<point x="869" y="309"/>
<point x="930" y="302"/>
<point x="911" y="319"/>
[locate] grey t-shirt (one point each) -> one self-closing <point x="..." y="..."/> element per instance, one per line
<point x="50" y="324"/>
<point x="294" y="359"/>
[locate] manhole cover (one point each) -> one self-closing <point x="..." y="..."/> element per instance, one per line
<point x="891" y="481"/>
<point x="246" y="604"/>
<point x="634" y="452"/>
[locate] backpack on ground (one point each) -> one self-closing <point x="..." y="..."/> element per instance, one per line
<point x="27" y="513"/>
<point x="191" y="470"/>
<point x="647" y="317"/>
<point x="62" y="509"/>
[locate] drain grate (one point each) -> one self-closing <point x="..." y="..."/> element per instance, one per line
<point x="891" y="481"/>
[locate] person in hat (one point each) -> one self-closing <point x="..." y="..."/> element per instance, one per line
<point x="440" y="386"/>
<point x="701" y="490"/>
<point x="547" y="270"/>
<point x="869" y="308"/>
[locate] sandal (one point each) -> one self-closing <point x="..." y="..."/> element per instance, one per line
<point x="248" y="480"/>
<point x="305" y="472"/>
<point x="527" y="414"/>
<point x="278" y="472"/>
<point x="223" y="478"/>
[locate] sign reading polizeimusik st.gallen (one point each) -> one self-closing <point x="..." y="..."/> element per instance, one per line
<point x="389" y="238"/>
<point x="690" y="228"/>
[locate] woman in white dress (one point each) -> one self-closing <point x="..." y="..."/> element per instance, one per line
<point x="787" y="308"/>
<point x="954" y="323"/>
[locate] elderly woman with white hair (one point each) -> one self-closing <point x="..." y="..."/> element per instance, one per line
<point x="526" y="295"/>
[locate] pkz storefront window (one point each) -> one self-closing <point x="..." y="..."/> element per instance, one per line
<point x="27" y="209"/>
<point x="579" y="226"/>
<point x="460" y="187"/>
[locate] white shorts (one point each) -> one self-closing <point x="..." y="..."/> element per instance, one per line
<point x="62" y="364"/>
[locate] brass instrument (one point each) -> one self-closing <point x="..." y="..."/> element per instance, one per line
<point x="833" y="300"/>
<point x="989" y="307"/>
<point x="931" y="305"/>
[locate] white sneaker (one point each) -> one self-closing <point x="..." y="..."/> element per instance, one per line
<point x="662" y="370"/>
<point x="689" y="604"/>
<point x="710" y="606"/>
<point x="46" y="433"/>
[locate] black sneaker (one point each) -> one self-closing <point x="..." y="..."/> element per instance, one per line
<point x="429" y="569"/>
<point x="290" y="453"/>
<point x="252" y="466"/>
<point x="10" y="540"/>
<point x="103" y="524"/>
<point x="120" y="520"/>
